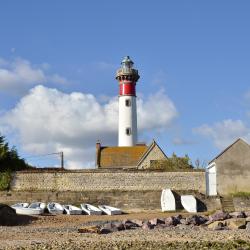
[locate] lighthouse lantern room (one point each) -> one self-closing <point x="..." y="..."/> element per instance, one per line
<point x="127" y="77"/>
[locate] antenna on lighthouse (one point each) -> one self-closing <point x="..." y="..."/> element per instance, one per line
<point x="127" y="77"/>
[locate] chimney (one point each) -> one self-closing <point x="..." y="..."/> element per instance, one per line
<point x="98" y="154"/>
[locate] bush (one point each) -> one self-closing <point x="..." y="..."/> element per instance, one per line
<point x="5" y="179"/>
<point x="173" y="163"/>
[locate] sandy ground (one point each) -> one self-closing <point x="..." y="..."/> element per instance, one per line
<point x="61" y="232"/>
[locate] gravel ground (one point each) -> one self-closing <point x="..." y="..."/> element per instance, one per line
<point x="60" y="232"/>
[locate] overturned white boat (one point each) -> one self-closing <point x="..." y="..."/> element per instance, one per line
<point x="35" y="208"/>
<point x="110" y="210"/>
<point x="72" y="210"/>
<point x="55" y="208"/>
<point x="25" y="204"/>
<point x="90" y="209"/>
<point x="167" y="200"/>
<point x="189" y="203"/>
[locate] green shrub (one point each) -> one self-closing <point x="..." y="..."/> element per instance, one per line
<point x="5" y="179"/>
<point x="173" y="163"/>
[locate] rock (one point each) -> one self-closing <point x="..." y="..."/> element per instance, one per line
<point x="237" y="215"/>
<point x="236" y="223"/>
<point x="129" y="224"/>
<point x="216" y="225"/>
<point x="247" y="219"/>
<point x="109" y="228"/>
<point x="218" y="216"/>
<point x="195" y="220"/>
<point x="139" y="223"/>
<point x="172" y="221"/>
<point x="90" y="229"/>
<point x="247" y="213"/>
<point x="248" y="226"/>
<point x="156" y="221"/>
<point x="147" y="226"/>
<point x="120" y="226"/>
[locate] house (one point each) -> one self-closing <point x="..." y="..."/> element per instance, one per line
<point x="229" y="172"/>
<point x="138" y="156"/>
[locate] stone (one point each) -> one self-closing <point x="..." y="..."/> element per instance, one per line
<point x="128" y="224"/>
<point x="237" y="215"/>
<point x="248" y="226"/>
<point x="247" y="219"/>
<point x="216" y="225"/>
<point x="139" y="223"/>
<point x="236" y="223"/>
<point x="119" y="225"/>
<point x="147" y="226"/>
<point x="109" y="228"/>
<point x="247" y="213"/>
<point x="195" y="220"/>
<point x="218" y="216"/>
<point x="172" y="221"/>
<point x="156" y="221"/>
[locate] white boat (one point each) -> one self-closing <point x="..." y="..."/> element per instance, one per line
<point x="90" y="209"/>
<point x="20" y="205"/>
<point x="110" y="210"/>
<point x="72" y="210"/>
<point x="35" y="208"/>
<point x="189" y="203"/>
<point x="55" y="208"/>
<point x="167" y="200"/>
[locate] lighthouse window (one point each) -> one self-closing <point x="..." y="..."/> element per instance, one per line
<point x="128" y="103"/>
<point x="128" y="131"/>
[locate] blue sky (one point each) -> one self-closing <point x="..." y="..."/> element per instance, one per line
<point x="194" y="55"/>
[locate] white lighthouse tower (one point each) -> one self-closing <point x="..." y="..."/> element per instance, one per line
<point x="127" y="77"/>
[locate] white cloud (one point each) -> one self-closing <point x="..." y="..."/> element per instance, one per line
<point x="18" y="75"/>
<point x="225" y="132"/>
<point x="47" y="120"/>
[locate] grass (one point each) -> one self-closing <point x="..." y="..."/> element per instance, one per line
<point x="240" y="194"/>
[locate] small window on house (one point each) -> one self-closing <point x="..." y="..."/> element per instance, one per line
<point x="128" y="131"/>
<point x="128" y="103"/>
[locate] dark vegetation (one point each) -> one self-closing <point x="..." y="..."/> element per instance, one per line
<point x="9" y="161"/>
<point x="173" y="163"/>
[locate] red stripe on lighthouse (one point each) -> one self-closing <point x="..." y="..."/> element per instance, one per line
<point x="127" y="89"/>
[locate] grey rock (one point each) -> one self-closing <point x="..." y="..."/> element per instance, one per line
<point x="248" y="226"/>
<point x="218" y="216"/>
<point x="237" y="215"/>
<point x="196" y="220"/>
<point x="172" y="221"/>
<point x="147" y="226"/>
<point x="129" y="224"/>
<point x="156" y="221"/>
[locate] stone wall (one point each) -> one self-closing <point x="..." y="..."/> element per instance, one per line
<point x="126" y="200"/>
<point x="79" y="181"/>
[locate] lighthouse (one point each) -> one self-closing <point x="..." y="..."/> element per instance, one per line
<point x="127" y="77"/>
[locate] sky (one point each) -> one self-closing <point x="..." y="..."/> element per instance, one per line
<point x="57" y="75"/>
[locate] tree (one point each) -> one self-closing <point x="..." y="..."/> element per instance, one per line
<point x="9" y="158"/>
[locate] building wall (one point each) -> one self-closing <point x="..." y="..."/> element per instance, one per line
<point x="233" y="169"/>
<point x="79" y="181"/>
<point x="154" y="154"/>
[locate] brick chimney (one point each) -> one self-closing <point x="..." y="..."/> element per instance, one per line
<point x="98" y="154"/>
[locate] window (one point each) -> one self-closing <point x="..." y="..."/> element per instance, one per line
<point x="128" y="102"/>
<point x="128" y="131"/>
